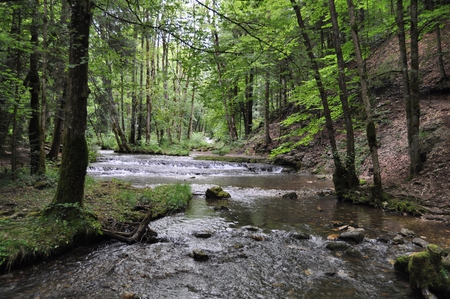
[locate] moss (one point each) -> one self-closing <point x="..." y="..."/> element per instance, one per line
<point x="401" y="263"/>
<point x="425" y="269"/>
<point x="39" y="235"/>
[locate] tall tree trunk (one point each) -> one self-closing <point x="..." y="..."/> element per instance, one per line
<point x="415" y="160"/>
<point x="267" y="139"/>
<point x="440" y="54"/>
<point x="248" y="105"/>
<point x="32" y="82"/>
<point x="352" y="178"/>
<point x="75" y="154"/>
<point x="340" y="173"/>
<point x="140" y="121"/>
<point x="134" y="102"/>
<point x="149" y="79"/>
<point x="59" y="127"/>
<point x="43" y="124"/>
<point x="191" y="114"/>
<point x="60" y="81"/>
<point x="377" y="190"/>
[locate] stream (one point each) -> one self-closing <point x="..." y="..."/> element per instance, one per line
<point x="254" y="249"/>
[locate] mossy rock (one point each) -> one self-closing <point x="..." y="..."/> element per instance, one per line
<point x="425" y="269"/>
<point x="216" y="192"/>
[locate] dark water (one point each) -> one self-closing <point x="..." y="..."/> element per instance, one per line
<point x="253" y="252"/>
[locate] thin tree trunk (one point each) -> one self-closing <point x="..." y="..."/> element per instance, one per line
<point x="59" y="127"/>
<point x="415" y="160"/>
<point x="267" y="139"/>
<point x="352" y="178"/>
<point x="377" y="190"/>
<point x="340" y="173"/>
<point x="440" y="54"/>
<point x="191" y="115"/>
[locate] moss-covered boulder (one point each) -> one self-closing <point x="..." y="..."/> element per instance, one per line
<point x="216" y="192"/>
<point x="425" y="269"/>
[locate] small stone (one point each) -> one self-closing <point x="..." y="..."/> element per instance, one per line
<point x="352" y="252"/>
<point x="337" y="246"/>
<point x="290" y="195"/>
<point x="203" y="234"/>
<point x="352" y="236"/>
<point x="300" y="236"/>
<point x="129" y="295"/>
<point x="199" y="255"/>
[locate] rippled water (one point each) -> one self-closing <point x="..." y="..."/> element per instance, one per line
<point x="253" y="252"/>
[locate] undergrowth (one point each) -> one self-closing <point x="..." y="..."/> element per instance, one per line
<point x="27" y="234"/>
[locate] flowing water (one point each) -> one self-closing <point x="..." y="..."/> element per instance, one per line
<point x="254" y="250"/>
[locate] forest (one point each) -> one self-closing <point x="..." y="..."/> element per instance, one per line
<point x="144" y="76"/>
<point x="258" y="78"/>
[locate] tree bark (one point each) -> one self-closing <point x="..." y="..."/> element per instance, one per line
<point x="377" y="190"/>
<point x="440" y="54"/>
<point x="415" y="159"/>
<point x="75" y="154"/>
<point x="32" y="82"/>
<point x="59" y="127"/>
<point x="352" y="178"/>
<point x="267" y="139"/>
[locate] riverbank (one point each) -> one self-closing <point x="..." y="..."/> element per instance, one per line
<point x="28" y="236"/>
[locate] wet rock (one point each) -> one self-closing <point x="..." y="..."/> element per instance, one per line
<point x="203" y="234"/>
<point x="355" y="236"/>
<point x="383" y="239"/>
<point x="129" y="295"/>
<point x="352" y="252"/>
<point x="300" y="236"/>
<point x="337" y="246"/>
<point x="290" y="195"/>
<point x="398" y="239"/>
<point x="199" y="255"/>
<point x="257" y="237"/>
<point x="407" y="233"/>
<point x="251" y="228"/>
<point x="420" y="242"/>
<point x="425" y="269"/>
<point x="221" y="208"/>
<point x="216" y="192"/>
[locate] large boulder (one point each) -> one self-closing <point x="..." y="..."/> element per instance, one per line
<point x="216" y="192"/>
<point x="426" y="270"/>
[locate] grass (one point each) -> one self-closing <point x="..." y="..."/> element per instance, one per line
<point x="27" y="235"/>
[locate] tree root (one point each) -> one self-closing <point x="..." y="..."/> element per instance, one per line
<point x="136" y="232"/>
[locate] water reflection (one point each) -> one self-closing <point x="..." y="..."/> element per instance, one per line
<point x="264" y="262"/>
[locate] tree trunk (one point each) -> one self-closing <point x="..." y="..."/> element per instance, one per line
<point x="10" y="87"/>
<point x="191" y="115"/>
<point x="440" y="54"/>
<point x="267" y="139"/>
<point x="340" y="173"/>
<point x="248" y="106"/>
<point x="415" y="160"/>
<point x="377" y="190"/>
<point x="75" y="154"/>
<point x="352" y="178"/>
<point x="59" y="127"/>
<point x="32" y="82"/>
